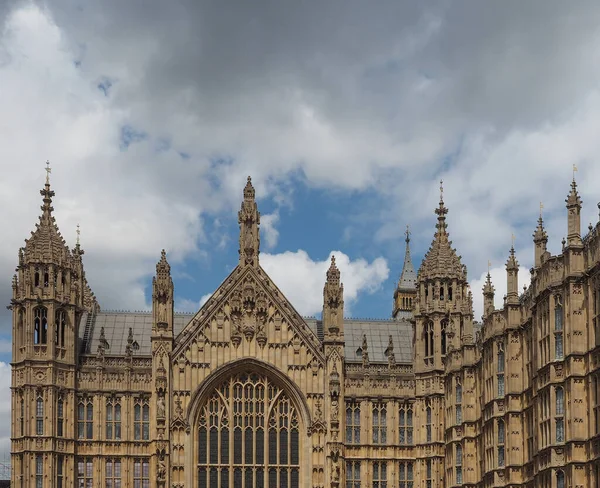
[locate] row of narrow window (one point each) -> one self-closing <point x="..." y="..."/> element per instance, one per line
<point x="381" y="478"/>
<point x="40" y="279"/>
<point x="442" y="295"/>
<point x="40" y="326"/>
<point x="85" y="419"/>
<point x="380" y="424"/>
<point x="85" y="472"/>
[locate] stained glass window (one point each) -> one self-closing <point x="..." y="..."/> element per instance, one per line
<point x="248" y="436"/>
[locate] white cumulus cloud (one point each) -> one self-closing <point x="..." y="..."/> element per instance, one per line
<point x="301" y="279"/>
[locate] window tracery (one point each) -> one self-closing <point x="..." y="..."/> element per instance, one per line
<point x="248" y="435"/>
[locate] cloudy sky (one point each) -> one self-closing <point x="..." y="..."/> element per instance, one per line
<point x="153" y="113"/>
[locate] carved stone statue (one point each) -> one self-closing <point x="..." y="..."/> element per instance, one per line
<point x="335" y="409"/>
<point x="161" y="470"/>
<point x="160" y="407"/>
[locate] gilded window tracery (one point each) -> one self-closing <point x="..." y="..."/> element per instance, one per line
<point x="248" y="435"/>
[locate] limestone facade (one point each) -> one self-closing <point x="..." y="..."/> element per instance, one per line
<point x="247" y="393"/>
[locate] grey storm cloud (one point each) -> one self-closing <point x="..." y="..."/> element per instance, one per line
<point x="496" y="98"/>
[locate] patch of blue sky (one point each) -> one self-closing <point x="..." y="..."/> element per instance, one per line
<point x="129" y="135"/>
<point x="104" y="85"/>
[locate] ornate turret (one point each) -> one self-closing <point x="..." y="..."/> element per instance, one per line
<point x="540" y="239"/>
<point x="512" y="278"/>
<point x="249" y="220"/>
<point x="488" y="295"/>
<point x="333" y="302"/>
<point x="406" y="290"/>
<point x="443" y="314"/>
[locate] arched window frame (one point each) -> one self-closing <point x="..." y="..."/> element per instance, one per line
<point x="113" y="418"/>
<point x="60" y="323"/>
<point x="40" y="325"/>
<point x="39" y="416"/>
<point x="500" y="368"/>
<point x="406" y="423"/>
<point x="501" y="426"/>
<point x="558" y="328"/>
<point x="379" y="423"/>
<point x="458" y="464"/>
<point x="560" y="479"/>
<point x="60" y="416"/>
<point x="85" y="418"/>
<point x="141" y="419"/>
<point x="443" y="334"/>
<point x="458" y="399"/>
<point x="428" y="423"/>
<point x="36" y="278"/>
<point x="559" y="413"/>
<point x="262" y="433"/>
<point x="429" y="341"/>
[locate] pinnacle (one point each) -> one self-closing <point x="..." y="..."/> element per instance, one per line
<point x="163" y="267"/>
<point x="333" y="273"/>
<point x="540" y="233"/>
<point x="512" y="262"/>
<point x="573" y="200"/>
<point x="249" y="192"/>
<point x="488" y="288"/>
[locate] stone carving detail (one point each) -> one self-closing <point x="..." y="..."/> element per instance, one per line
<point x="248" y="315"/>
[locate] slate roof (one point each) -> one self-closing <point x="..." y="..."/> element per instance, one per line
<point x="116" y="329"/>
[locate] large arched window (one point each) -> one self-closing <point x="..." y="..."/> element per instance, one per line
<point x="248" y="435"/>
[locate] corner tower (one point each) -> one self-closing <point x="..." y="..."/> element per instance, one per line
<point x="442" y="322"/>
<point x="406" y="290"/>
<point x="51" y="298"/>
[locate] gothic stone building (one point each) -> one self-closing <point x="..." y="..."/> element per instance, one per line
<point x="247" y="393"/>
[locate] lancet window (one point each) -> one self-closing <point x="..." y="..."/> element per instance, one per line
<point x="60" y="323"/>
<point x="40" y="325"/>
<point x="444" y="328"/>
<point x="248" y="436"/>
<point x="428" y="339"/>
<point x="558" y="328"/>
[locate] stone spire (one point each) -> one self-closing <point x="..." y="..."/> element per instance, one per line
<point x="46" y="243"/>
<point x="406" y="290"/>
<point x="540" y="239"/>
<point x="512" y="278"/>
<point x="249" y="220"/>
<point x="574" y="202"/>
<point x="488" y="294"/>
<point x="333" y="301"/>
<point x="162" y="295"/>
<point x="441" y="259"/>
<point x="408" y="278"/>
